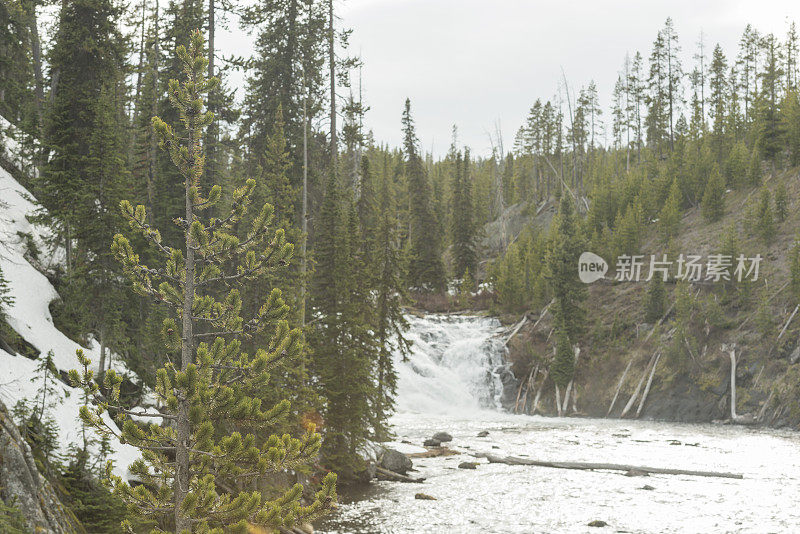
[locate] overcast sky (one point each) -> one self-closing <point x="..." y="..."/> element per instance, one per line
<point x="473" y="63"/>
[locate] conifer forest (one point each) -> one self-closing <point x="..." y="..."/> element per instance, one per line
<point x="278" y="266"/>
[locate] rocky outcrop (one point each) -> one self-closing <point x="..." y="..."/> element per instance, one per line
<point x="22" y="485"/>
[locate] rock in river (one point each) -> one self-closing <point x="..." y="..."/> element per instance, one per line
<point x="395" y="461"/>
<point x="442" y="437"/>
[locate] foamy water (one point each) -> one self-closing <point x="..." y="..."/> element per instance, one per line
<point x="446" y="395"/>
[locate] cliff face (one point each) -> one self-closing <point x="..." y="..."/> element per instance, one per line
<point x="22" y="485"/>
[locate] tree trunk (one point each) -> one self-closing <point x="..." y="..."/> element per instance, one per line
<point x="619" y="386"/>
<point x="332" y="61"/>
<point x="558" y="401"/>
<point x="101" y="367"/>
<point x="511" y="460"/>
<point x="647" y="387"/>
<point x="152" y="159"/>
<point x="539" y="393"/>
<point x="732" y="354"/>
<point x="182" y="474"/>
<point x="211" y="133"/>
<point x="36" y="54"/>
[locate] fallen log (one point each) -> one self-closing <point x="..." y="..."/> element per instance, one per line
<point x="385" y="474"/>
<point x="516" y="329"/>
<point x="539" y="393"/>
<point x="619" y="386"/>
<point x="647" y="388"/>
<point x="591" y="466"/>
<point x="433" y="453"/>
<point x="636" y="391"/>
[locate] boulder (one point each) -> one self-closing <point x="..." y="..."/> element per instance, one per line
<point x="483" y="433"/>
<point x="23" y="485"/>
<point x="442" y="437"/>
<point x="395" y="461"/>
<point x="431" y="442"/>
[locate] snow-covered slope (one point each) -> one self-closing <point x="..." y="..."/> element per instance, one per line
<point x="29" y="316"/>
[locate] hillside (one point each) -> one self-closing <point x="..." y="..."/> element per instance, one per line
<point x="694" y="388"/>
<point x="23" y="244"/>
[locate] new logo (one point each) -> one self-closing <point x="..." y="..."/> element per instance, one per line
<point x="591" y="267"/>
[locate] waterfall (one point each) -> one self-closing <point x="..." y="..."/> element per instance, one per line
<point x="457" y="365"/>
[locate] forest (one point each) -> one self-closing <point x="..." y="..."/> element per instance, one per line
<point x="250" y="258"/>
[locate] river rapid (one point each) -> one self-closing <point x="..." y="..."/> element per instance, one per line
<point x="452" y="382"/>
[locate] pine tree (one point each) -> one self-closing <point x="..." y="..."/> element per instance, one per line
<point x="6" y="300"/>
<point x="390" y="323"/>
<point x="770" y="132"/>
<point x="562" y="368"/>
<point x="86" y="174"/>
<point x="718" y="84"/>
<point x="790" y="112"/>
<point x="781" y="202"/>
<point x="754" y="170"/>
<point x="669" y="218"/>
<point x="765" y="220"/>
<point x="463" y="226"/>
<point x="344" y="347"/>
<point x="213" y="384"/>
<point x="713" y="204"/>
<point x="562" y="260"/>
<point x="287" y="70"/>
<point x="17" y="96"/>
<point x="794" y="272"/>
<point x="655" y="300"/>
<point x="426" y="270"/>
<point x="736" y="165"/>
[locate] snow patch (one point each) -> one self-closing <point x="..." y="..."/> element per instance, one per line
<point x="29" y="315"/>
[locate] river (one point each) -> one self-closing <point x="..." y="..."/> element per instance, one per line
<point x="452" y="382"/>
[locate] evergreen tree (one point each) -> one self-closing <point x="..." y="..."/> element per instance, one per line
<point x="562" y="261"/>
<point x="754" y="170"/>
<point x="736" y="165"/>
<point x="5" y="299"/>
<point x="655" y="300"/>
<point x="770" y="131"/>
<point x="781" y="202"/>
<point x="669" y="218"/>
<point x="765" y="219"/>
<point x="790" y="110"/>
<point x="426" y="270"/>
<point x="214" y="384"/>
<point x="713" y="205"/>
<point x="562" y="369"/>
<point x="86" y="174"/>
<point x="794" y="272"/>
<point x="344" y="350"/>
<point x="390" y="323"/>
<point x="463" y="226"/>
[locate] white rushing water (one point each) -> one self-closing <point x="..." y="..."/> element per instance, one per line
<point x="443" y="387"/>
<point x="454" y="368"/>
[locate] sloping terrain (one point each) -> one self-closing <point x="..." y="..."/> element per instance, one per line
<point x="29" y="316"/>
<point x="692" y="380"/>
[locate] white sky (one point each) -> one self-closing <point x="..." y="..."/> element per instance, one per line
<point x="475" y="62"/>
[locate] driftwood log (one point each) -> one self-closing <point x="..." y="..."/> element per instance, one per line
<point x="512" y="460"/>
<point x="385" y="474"/>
